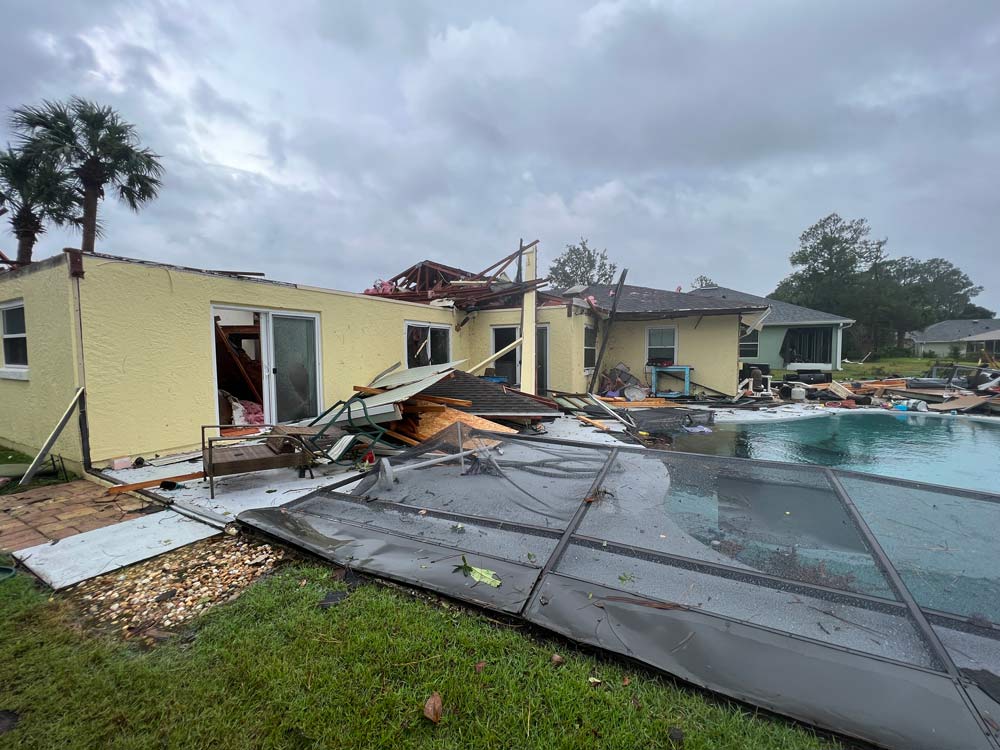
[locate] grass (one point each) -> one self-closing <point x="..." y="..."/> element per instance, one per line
<point x="44" y="477"/>
<point x="271" y="670"/>
<point x="904" y="367"/>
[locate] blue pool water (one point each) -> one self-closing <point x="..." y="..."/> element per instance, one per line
<point x="944" y="450"/>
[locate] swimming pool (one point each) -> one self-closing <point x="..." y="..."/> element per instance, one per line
<point x="953" y="451"/>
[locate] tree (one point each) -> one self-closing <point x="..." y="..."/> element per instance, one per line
<point x="34" y="191"/>
<point x="841" y="270"/>
<point x="976" y="312"/>
<point x="97" y="147"/>
<point x="580" y="264"/>
<point x="702" y="281"/>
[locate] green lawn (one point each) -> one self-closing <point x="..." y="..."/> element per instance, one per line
<point x="10" y="457"/>
<point x="271" y="670"/>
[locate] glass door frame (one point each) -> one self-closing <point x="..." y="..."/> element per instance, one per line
<point x="517" y="334"/>
<point x="267" y="355"/>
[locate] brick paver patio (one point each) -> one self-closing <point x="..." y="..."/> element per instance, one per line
<point x="60" y="510"/>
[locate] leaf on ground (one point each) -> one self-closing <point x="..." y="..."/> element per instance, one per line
<point x="480" y="666"/>
<point x="479" y="575"/>
<point x="594" y="682"/>
<point x="557" y="660"/>
<point x="433" y="707"/>
<point x="626" y="681"/>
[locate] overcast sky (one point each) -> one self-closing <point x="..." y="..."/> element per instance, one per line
<point x="333" y="143"/>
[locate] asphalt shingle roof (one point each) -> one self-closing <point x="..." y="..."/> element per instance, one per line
<point x="642" y="299"/>
<point x="488" y="399"/>
<point x="782" y="313"/>
<point x="956" y="330"/>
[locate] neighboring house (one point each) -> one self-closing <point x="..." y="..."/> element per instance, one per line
<point x="969" y="336"/>
<point x="789" y="335"/>
<point x="162" y="349"/>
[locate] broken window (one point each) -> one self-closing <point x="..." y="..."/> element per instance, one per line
<point x="749" y="343"/>
<point x="589" y="346"/>
<point x="15" y="337"/>
<point x="661" y="345"/>
<point x="427" y="345"/>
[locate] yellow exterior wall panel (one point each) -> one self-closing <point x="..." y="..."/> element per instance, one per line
<point x="148" y="338"/>
<point x="30" y="409"/>
<point x="709" y="344"/>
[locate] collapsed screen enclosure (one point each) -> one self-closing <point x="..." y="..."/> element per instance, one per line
<point x="862" y="605"/>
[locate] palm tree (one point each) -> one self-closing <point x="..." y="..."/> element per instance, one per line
<point x="34" y="190"/>
<point x="98" y="147"/>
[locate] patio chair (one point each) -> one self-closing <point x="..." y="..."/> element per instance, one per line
<point x="275" y="450"/>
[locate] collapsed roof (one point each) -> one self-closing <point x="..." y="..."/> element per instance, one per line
<point x="438" y="284"/>
<point x="866" y="606"/>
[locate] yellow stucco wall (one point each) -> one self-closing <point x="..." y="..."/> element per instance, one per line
<point x="30" y="409"/>
<point x="565" y="342"/>
<point x="711" y="346"/>
<point x="148" y="340"/>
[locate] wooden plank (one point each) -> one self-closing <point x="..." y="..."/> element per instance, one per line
<point x="962" y="403"/>
<point x="592" y="422"/>
<point x="119" y="489"/>
<point x="444" y="400"/>
<point x="401" y="437"/>
<point x="411" y="408"/>
<point x="834" y="387"/>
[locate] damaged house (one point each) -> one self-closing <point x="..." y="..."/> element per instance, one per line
<point x="162" y="349"/>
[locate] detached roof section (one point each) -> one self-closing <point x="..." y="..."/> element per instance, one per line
<point x="639" y="302"/>
<point x="782" y="313"/>
<point x="959" y="330"/>
<point x="434" y="283"/>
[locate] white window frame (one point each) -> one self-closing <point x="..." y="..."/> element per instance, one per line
<point x="589" y="368"/>
<point x="424" y="324"/>
<point x="740" y="344"/>
<point x="661" y="328"/>
<point x="11" y="371"/>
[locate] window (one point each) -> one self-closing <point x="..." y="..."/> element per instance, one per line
<point x="749" y="345"/>
<point x="589" y="346"/>
<point x="15" y="338"/>
<point x="661" y="345"/>
<point x="427" y="344"/>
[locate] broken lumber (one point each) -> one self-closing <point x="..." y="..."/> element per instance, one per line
<point x="593" y="422"/>
<point x="119" y="489"/>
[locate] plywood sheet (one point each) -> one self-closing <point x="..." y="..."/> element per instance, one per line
<point x="433" y="422"/>
<point x="962" y="403"/>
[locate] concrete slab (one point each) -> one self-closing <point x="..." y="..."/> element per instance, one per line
<point x="67" y="561"/>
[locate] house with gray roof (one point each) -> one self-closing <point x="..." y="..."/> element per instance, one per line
<point x="970" y="336"/>
<point x="788" y="336"/>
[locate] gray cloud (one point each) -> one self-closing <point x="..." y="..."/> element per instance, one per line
<point x="331" y="144"/>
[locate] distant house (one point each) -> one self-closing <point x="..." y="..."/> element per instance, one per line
<point x="969" y="336"/>
<point x="789" y="335"/>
